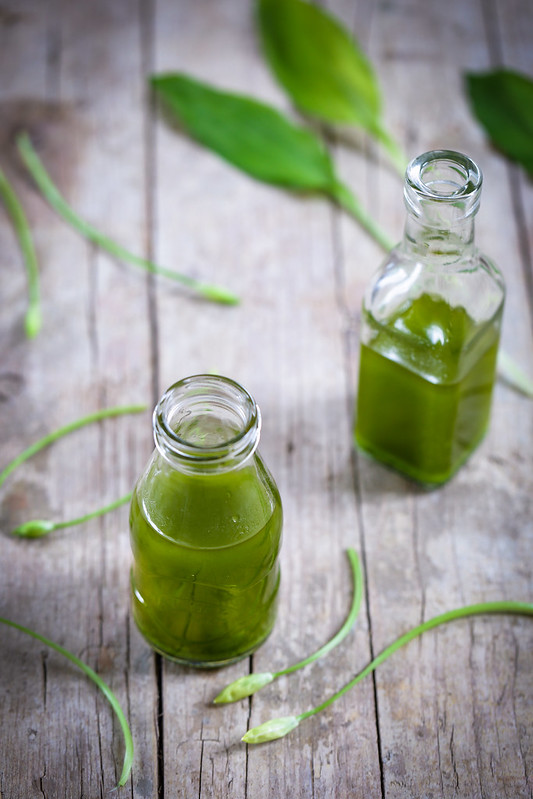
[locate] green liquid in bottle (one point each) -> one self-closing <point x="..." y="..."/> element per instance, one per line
<point x="425" y="387"/>
<point x="205" y="575"/>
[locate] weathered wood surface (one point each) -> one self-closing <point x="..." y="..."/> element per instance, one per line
<point x="451" y="715"/>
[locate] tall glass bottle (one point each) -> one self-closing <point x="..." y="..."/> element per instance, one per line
<point x="430" y="329"/>
<point x="205" y="524"/>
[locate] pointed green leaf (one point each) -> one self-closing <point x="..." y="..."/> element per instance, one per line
<point x="322" y="68"/>
<point x="502" y="101"/>
<point x="318" y="63"/>
<point x="249" y="134"/>
<point x="259" y="140"/>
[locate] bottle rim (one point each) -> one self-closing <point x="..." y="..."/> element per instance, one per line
<point x="443" y="177"/>
<point x="204" y="394"/>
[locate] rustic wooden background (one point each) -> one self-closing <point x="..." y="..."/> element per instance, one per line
<point x="451" y="715"/>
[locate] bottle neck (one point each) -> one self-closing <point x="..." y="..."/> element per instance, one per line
<point x="206" y="424"/>
<point x="442" y="191"/>
<point x="439" y="246"/>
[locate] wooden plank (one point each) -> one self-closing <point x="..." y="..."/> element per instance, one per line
<point x="448" y="716"/>
<point x="94" y="351"/>
<point x="285" y="343"/>
<point x="428" y="552"/>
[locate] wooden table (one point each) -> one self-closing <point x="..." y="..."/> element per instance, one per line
<point x="450" y="715"/>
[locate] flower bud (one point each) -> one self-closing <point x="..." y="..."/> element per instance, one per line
<point x="270" y="730"/>
<point x="34" y="529"/>
<point x="244" y="686"/>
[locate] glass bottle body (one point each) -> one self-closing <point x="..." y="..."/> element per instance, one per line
<point x="430" y="330"/>
<point x="206" y="529"/>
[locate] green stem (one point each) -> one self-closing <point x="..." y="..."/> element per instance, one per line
<point x="519" y="608"/>
<point x="99" y="512"/>
<point x="69" y="428"/>
<point x="15" y="210"/>
<point x="251" y="683"/>
<point x="347" y="200"/>
<point x="56" y="200"/>
<point x="395" y="152"/>
<point x="513" y="374"/>
<point x="37" y="528"/>
<point x="348" y="623"/>
<point x="106" y="690"/>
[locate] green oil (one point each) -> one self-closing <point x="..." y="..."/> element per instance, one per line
<point x="205" y="574"/>
<point x="425" y="387"/>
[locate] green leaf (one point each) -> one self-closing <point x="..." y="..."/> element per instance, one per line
<point x="502" y="101"/>
<point x="318" y="63"/>
<point x="322" y="68"/>
<point x="259" y="140"/>
<point x="249" y="134"/>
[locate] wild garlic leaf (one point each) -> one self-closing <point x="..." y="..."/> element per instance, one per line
<point x="502" y="101"/>
<point x="318" y="63"/>
<point x="249" y="134"/>
<point x="322" y="68"/>
<point x="259" y="140"/>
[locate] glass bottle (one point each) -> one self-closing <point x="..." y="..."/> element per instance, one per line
<point x="430" y="329"/>
<point x="205" y="523"/>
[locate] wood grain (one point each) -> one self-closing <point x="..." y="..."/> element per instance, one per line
<point x="451" y="715"/>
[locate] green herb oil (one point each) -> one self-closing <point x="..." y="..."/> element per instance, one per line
<point x="205" y="576"/>
<point x="425" y="387"/>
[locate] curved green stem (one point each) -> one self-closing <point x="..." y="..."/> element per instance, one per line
<point x="278" y="727"/>
<point x="357" y="576"/>
<point x="347" y="200"/>
<point x="395" y="152"/>
<point x="37" y="528"/>
<point x="57" y="201"/>
<point x="32" y="322"/>
<point x="518" y="608"/>
<point x="106" y="690"/>
<point x="69" y="428"/>
<point x="251" y="683"/>
<point x="513" y="374"/>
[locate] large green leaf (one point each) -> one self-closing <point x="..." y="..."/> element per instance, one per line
<point x="318" y="62"/>
<point x="250" y="135"/>
<point x="322" y="67"/>
<point x="259" y="140"/>
<point x="502" y="101"/>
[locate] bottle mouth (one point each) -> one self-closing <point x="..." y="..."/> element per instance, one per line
<point x="206" y="423"/>
<point x="443" y="185"/>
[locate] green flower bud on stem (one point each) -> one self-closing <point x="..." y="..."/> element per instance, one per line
<point x="243" y="687"/>
<point x="270" y="730"/>
<point x="34" y="529"/>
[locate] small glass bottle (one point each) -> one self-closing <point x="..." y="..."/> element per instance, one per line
<point x="430" y="329"/>
<point x="205" y="525"/>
